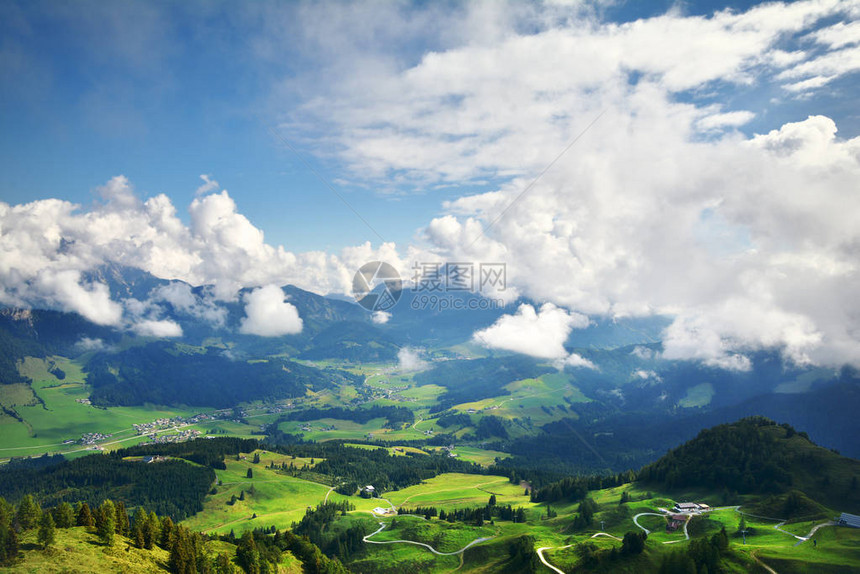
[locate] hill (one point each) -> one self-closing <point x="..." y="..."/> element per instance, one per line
<point x="166" y="373"/>
<point x="758" y="456"/>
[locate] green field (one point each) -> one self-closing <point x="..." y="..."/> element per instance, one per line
<point x="274" y="496"/>
<point x="59" y="417"/>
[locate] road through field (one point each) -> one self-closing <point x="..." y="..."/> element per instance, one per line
<point x="430" y="548"/>
<point x="540" y="552"/>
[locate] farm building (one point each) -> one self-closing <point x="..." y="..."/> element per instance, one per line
<point x="674" y="521"/>
<point x="851" y="520"/>
<point x="686" y="507"/>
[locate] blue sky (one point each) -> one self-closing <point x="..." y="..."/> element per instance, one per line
<point x="710" y="172"/>
<point x="162" y="93"/>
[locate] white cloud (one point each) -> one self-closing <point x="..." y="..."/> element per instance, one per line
<point x="409" y="360"/>
<point x="575" y="361"/>
<point x="540" y="334"/>
<point x="162" y="328"/>
<point x="46" y="246"/>
<point x="648" y="375"/>
<point x="268" y="314"/>
<point x="380" y="317"/>
<point x="839" y="35"/>
<point x="203" y="307"/>
<point x="209" y="184"/>
<point x="643" y="353"/>
<point x="506" y="104"/>
<point x="89" y="344"/>
<point x="92" y="301"/>
<point x="725" y="120"/>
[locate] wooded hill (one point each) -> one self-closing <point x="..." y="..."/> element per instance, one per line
<point x="758" y="456"/>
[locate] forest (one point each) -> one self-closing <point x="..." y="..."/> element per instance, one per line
<point x="160" y="373"/>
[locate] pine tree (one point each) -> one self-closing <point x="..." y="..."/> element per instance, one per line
<point x="183" y="559"/>
<point x="151" y="530"/>
<point x="47" y="530"/>
<point x="64" y="515"/>
<point x="121" y="518"/>
<point x="248" y="555"/>
<point x="106" y="523"/>
<point x="140" y="519"/>
<point x="250" y="473"/>
<point x="492" y="501"/>
<point x="167" y="528"/>
<point x="28" y="512"/>
<point x="85" y="516"/>
<point x="8" y="536"/>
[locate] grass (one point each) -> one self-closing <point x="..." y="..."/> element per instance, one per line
<point x="78" y="550"/>
<point x="274" y="496"/>
<point x="61" y="417"/>
<point x="443" y="536"/>
<point x="698" y="396"/>
<point x="392" y="450"/>
<point x="541" y="400"/>
<point x="455" y="490"/>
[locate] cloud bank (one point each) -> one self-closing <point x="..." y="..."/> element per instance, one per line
<point x="668" y="204"/>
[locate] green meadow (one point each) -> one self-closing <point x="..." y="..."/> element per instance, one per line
<point x="52" y="414"/>
<point x="274" y="496"/>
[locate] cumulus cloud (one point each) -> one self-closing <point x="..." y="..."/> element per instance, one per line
<point x="91" y="301"/>
<point x="160" y="328"/>
<point x="575" y="361"/>
<point x="47" y="246"/>
<point x="380" y="317"/>
<point x="409" y="360"/>
<point x="750" y="242"/>
<point x="183" y="299"/>
<point x="662" y="207"/>
<point x="86" y="344"/>
<point x="540" y="333"/>
<point x="268" y="314"/>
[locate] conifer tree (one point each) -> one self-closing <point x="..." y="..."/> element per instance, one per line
<point x="64" y="515"/>
<point x="248" y="555"/>
<point x="151" y="530"/>
<point x="28" y="512"/>
<point x="8" y="536"/>
<point x="140" y="518"/>
<point x="47" y="530"/>
<point x="166" y="540"/>
<point x="122" y="524"/>
<point x="106" y="522"/>
<point x="85" y="516"/>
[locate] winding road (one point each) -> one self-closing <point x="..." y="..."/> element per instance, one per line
<point x="686" y="534"/>
<point x="540" y="552"/>
<point x="427" y="546"/>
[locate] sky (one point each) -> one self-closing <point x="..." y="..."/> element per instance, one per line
<point x="692" y="159"/>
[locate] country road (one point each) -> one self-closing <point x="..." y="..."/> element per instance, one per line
<point x="540" y="552"/>
<point x="686" y="534"/>
<point x="427" y="546"/>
